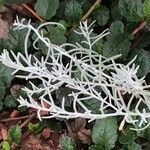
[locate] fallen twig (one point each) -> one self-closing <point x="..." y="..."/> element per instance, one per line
<point x="140" y="27"/>
<point x="97" y="3"/>
<point x="14" y="119"/>
<point x="32" y="12"/>
<point x="28" y="120"/>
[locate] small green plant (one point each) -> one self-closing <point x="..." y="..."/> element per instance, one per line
<point x="36" y="128"/>
<point x="67" y="143"/>
<point x="14" y="135"/>
<point x="5" y="145"/>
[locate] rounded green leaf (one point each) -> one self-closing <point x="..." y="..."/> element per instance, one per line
<point x="132" y="10"/>
<point x="46" y="8"/>
<point x="73" y="11"/>
<point x="101" y="15"/>
<point x="10" y="102"/>
<point x="127" y="136"/>
<point x="105" y="132"/>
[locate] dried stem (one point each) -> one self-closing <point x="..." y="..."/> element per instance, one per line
<point x="31" y="117"/>
<point x="140" y="27"/>
<point x="14" y="119"/>
<point x="96" y="4"/>
<point x="32" y="12"/>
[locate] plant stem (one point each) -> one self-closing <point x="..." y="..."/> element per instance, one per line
<point x="96" y="4"/>
<point x="32" y="12"/>
<point x="140" y="27"/>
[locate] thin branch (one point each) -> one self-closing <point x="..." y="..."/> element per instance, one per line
<point x="14" y="119"/>
<point x="140" y="27"/>
<point x="31" y="117"/>
<point x="32" y="12"/>
<point x="96" y="4"/>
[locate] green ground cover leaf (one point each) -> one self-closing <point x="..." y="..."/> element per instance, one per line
<point x="73" y="11"/>
<point x="132" y="10"/>
<point x="56" y="35"/>
<point x="46" y="8"/>
<point x="115" y="12"/>
<point x="2" y="90"/>
<point x="104" y="132"/>
<point x="127" y="136"/>
<point x="143" y="60"/>
<point x="93" y="105"/>
<point x="1" y="105"/>
<point x="118" y="42"/>
<point x="101" y="15"/>
<point x="67" y="143"/>
<point x="10" y="102"/>
<point x="5" y="74"/>
<point x="14" y="41"/>
<point x="134" y="146"/>
<point x="14" y="134"/>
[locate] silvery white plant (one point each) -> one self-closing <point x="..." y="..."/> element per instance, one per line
<point x="115" y="86"/>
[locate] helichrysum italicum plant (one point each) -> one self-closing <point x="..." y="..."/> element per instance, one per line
<point x="115" y="85"/>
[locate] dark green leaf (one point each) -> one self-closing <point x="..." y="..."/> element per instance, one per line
<point x="75" y="38"/>
<point x="73" y="11"/>
<point x="144" y="40"/>
<point x="101" y="15"/>
<point x="2" y="90"/>
<point x="143" y="60"/>
<point x="101" y="146"/>
<point x="14" y="134"/>
<point x="147" y="147"/>
<point x="115" y="12"/>
<point x="10" y="102"/>
<point x="56" y="35"/>
<point x="1" y="105"/>
<point x="117" y="27"/>
<point x="55" y="125"/>
<point x="15" y="41"/>
<point x="117" y="42"/>
<point x="116" y="45"/>
<point x="144" y="133"/>
<point x="5" y="74"/>
<point x="134" y="146"/>
<point x="127" y="136"/>
<point x="105" y="132"/>
<point x="93" y="105"/>
<point x="46" y="8"/>
<point x="132" y="10"/>
<point x="67" y="143"/>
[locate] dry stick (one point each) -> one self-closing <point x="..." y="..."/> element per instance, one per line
<point x="14" y="119"/>
<point x="96" y="4"/>
<point x="140" y="27"/>
<point x="32" y="12"/>
<point x="28" y="120"/>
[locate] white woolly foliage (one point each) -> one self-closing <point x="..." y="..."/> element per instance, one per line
<point x="116" y="86"/>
